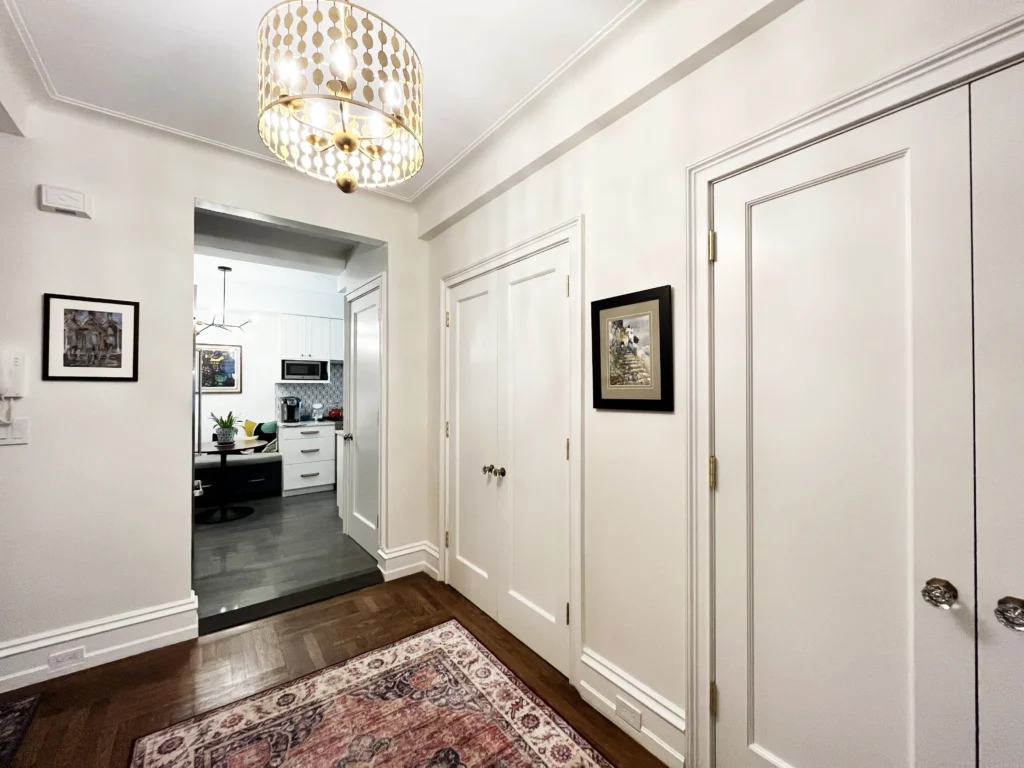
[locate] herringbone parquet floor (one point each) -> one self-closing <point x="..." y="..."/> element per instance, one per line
<point x="91" y="718"/>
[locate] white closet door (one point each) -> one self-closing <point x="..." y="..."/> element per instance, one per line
<point x="362" y="420"/>
<point x="844" y="435"/>
<point x="533" y="497"/>
<point x="997" y="113"/>
<point x="473" y="443"/>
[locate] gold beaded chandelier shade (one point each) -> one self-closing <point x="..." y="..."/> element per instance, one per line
<point x="341" y="94"/>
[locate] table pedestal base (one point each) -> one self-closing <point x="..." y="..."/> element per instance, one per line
<point x="226" y="514"/>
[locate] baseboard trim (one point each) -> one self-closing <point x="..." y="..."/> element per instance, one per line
<point x="421" y="557"/>
<point x="664" y="723"/>
<point x="25" y="661"/>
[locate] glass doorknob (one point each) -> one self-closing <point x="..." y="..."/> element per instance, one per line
<point x="940" y="593"/>
<point x="500" y="472"/>
<point x="1010" y="613"/>
<point x="488" y="469"/>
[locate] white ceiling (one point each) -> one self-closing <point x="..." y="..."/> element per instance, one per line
<point x="190" y="65"/>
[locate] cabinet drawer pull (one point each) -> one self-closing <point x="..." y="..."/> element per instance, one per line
<point x="311" y="450"/>
<point x="311" y="474"/>
<point x="311" y="432"/>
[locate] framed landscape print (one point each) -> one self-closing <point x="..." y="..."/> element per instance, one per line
<point x="90" y="339"/>
<point x="220" y="368"/>
<point x="632" y="350"/>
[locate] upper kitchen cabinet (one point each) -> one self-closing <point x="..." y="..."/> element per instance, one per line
<point x="305" y="338"/>
<point x="337" y="340"/>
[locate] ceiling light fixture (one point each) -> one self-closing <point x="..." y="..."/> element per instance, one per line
<point x="341" y="94"/>
<point x="223" y="324"/>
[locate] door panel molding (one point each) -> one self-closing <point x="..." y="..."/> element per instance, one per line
<point x="570" y="233"/>
<point x="991" y="50"/>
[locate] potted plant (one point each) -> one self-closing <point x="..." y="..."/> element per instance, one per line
<point x="226" y="429"/>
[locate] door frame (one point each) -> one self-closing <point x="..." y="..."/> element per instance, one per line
<point x="379" y="282"/>
<point x="571" y="233"/>
<point x="996" y="48"/>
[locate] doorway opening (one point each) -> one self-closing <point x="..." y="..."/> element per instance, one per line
<point x="270" y="445"/>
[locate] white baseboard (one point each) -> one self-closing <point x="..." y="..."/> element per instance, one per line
<point x="663" y="730"/>
<point x="421" y="557"/>
<point x="25" y="661"/>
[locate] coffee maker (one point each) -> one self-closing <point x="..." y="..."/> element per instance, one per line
<point x="291" y="409"/>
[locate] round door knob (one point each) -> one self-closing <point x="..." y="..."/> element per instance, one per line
<point x="500" y="472"/>
<point x="488" y="469"/>
<point x="940" y="593"/>
<point x="1010" y="612"/>
<point x="347" y="437"/>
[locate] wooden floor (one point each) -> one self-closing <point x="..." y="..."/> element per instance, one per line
<point x="92" y="717"/>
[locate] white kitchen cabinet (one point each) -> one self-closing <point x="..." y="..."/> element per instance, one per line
<point x="307" y="453"/>
<point x="305" y="338"/>
<point x="293" y="337"/>
<point x="318" y="336"/>
<point x="337" y="340"/>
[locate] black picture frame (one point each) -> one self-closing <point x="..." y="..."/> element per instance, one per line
<point x="50" y="375"/>
<point x="665" y="351"/>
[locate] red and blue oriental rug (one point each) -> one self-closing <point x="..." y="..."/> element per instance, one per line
<point x="438" y="699"/>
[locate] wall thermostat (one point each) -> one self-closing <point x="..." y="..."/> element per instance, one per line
<point x="66" y="201"/>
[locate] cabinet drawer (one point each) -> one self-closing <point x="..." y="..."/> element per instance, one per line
<point x="306" y="433"/>
<point x="308" y="475"/>
<point x="309" y="450"/>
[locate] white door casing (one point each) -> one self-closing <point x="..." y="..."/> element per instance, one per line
<point x="997" y="114"/>
<point x="473" y="413"/>
<point x="843" y="432"/>
<point x="534" y="406"/>
<point x="364" y="385"/>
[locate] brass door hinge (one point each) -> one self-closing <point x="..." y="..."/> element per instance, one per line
<point x="712" y="245"/>
<point x="447" y="539"/>
<point x="567" y="449"/>
<point x="566" y="614"/>
<point x="713" y="473"/>
<point x="447" y="319"/>
<point x="447" y="429"/>
<point x="714" y="700"/>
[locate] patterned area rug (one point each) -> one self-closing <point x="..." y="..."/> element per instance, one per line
<point x="438" y="699"/>
<point x="15" y="717"/>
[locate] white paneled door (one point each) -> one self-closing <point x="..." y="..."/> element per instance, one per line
<point x="508" y="469"/>
<point x="843" y="431"/>
<point x="362" y="419"/>
<point x="997" y="109"/>
<point x="473" y="444"/>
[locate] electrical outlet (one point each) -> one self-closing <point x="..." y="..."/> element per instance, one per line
<point x="67" y="658"/>
<point x="629" y="714"/>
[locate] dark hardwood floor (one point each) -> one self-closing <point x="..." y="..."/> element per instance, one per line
<point x="92" y="718"/>
<point x="289" y="553"/>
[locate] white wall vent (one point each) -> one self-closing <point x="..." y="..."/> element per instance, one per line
<point x="66" y="201"/>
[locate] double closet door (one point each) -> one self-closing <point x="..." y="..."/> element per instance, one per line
<point x="508" y="470"/>
<point x="868" y="357"/>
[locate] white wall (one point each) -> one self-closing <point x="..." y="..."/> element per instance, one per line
<point x="635" y="573"/>
<point x="93" y="523"/>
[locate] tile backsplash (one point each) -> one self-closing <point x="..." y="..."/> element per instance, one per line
<point x="329" y="393"/>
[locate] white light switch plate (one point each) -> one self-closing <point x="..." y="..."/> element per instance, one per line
<point x="16" y="433"/>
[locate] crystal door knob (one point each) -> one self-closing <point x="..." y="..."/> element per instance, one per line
<point x="347" y="437"/>
<point x="1010" y="613"/>
<point x="488" y="469"/>
<point x="940" y="593"/>
<point x="500" y="472"/>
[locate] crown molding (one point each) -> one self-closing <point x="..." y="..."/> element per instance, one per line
<point x="40" y="67"/>
<point x="560" y="70"/>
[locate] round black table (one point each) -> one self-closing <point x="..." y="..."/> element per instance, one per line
<point x="226" y="513"/>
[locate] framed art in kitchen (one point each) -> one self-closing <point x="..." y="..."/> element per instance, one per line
<point x="632" y="351"/>
<point x="220" y="368"/>
<point x="86" y="339"/>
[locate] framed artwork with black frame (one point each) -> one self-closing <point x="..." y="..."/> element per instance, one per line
<point x="86" y="339"/>
<point x="632" y="350"/>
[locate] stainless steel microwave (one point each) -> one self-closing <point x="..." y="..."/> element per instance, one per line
<point x="304" y="370"/>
